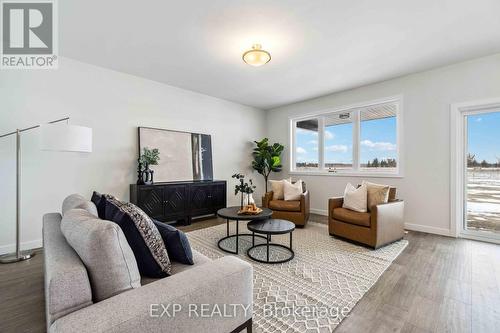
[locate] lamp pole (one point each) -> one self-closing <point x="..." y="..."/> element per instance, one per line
<point x="18" y="197"/>
<point x="27" y="254"/>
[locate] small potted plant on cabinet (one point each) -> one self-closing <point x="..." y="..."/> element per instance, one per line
<point x="149" y="157"/>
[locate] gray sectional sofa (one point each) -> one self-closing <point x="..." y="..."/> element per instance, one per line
<point x="181" y="302"/>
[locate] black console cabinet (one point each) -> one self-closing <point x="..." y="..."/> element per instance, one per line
<point x="175" y="201"/>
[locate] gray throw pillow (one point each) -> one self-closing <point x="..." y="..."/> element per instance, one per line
<point x="77" y="201"/>
<point x="103" y="249"/>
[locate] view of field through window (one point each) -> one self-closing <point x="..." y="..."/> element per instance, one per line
<point x="338" y="141"/>
<point x="378" y="131"/>
<point x="306" y="141"/>
<point x="483" y="172"/>
<point x="335" y="138"/>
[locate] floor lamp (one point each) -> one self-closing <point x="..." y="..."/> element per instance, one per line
<point x="62" y="137"/>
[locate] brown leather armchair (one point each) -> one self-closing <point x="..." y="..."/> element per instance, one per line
<point x="382" y="225"/>
<point x="295" y="211"/>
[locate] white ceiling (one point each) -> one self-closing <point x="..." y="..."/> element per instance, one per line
<point x="317" y="47"/>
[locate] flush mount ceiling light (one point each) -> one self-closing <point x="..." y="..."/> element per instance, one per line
<point x="256" y="56"/>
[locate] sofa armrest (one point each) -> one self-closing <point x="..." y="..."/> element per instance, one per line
<point x="225" y="282"/>
<point x="268" y="196"/>
<point x="333" y="203"/>
<point x="388" y="220"/>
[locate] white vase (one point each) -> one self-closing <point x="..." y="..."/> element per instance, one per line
<point x="248" y="199"/>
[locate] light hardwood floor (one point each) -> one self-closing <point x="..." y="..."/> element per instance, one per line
<point x="438" y="284"/>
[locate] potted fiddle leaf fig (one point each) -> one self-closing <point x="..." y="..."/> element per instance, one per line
<point x="266" y="158"/>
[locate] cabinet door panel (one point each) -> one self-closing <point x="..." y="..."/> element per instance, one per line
<point x="151" y="201"/>
<point x="175" y="198"/>
<point x="218" y="196"/>
<point x="200" y="199"/>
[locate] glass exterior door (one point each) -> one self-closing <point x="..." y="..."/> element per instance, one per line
<point x="482" y="173"/>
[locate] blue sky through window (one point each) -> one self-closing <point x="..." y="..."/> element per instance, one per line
<point x="306" y="145"/>
<point x="338" y="144"/>
<point x="483" y="135"/>
<point x="378" y="139"/>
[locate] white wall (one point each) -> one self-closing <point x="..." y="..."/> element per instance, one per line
<point x="114" y="105"/>
<point x="426" y="128"/>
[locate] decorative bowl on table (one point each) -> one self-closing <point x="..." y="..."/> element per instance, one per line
<point x="251" y="209"/>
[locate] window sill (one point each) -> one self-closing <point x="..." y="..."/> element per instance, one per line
<point x="347" y="174"/>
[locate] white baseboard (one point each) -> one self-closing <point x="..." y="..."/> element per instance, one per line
<point x="10" y="248"/>
<point x="428" y="229"/>
<point x="323" y="212"/>
<point x="408" y="226"/>
<point x="480" y="238"/>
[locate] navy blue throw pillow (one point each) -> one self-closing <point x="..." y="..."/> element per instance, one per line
<point x="100" y="204"/>
<point x="142" y="236"/>
<point x="111" y="207"/>
<point x="176" y="242"/>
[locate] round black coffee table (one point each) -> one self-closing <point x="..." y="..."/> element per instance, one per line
<point x="271" y="227"/>
<point x="231" y="213"/>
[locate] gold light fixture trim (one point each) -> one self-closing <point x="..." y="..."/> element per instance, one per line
<point x="256" y="56"/>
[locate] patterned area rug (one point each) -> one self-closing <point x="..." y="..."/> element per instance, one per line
<point x="314" y="291"/>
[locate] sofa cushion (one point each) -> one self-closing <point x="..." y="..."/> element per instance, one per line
<point x="286" y="206"/>
<point x="352" y="217"/>
<point x="292" y="191"/>
<point x="67" y="285"/>
<point x="377" y="194"/>
<point x="355" y="198"/>
<point x="109" y="210"/>
<point x="198" y="259"/>
<point x="142" y="235"/>
<point x="77" y="201"/>
<point x="100" y="204"/>
<point x="277" y="188"/>
<point x="176" y="242"/>
<point x="103" y="249"/>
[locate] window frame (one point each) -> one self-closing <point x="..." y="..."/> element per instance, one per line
<point x="356" y="141"/>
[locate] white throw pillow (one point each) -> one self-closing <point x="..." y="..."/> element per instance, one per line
<point x="292" y="191"/>
<point x="277" y="188"/>
<point x="356" y="198"/>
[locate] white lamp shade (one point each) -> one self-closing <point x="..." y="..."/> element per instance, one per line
<point x="61" y="137"/>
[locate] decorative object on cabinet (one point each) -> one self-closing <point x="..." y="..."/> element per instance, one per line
<point x="149" y="157"/>
<point x="189" y="155"/>
<point x="140" y="172"/>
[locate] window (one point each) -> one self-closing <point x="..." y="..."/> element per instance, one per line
<point x="338" y="141"/>
<point x="378" y="137"/>
<point x="358" y="139"/>
<point x="307" y="147"/>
